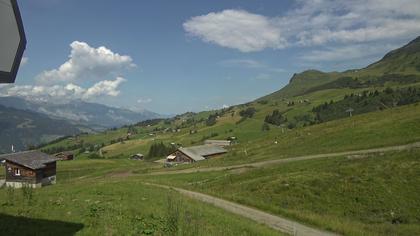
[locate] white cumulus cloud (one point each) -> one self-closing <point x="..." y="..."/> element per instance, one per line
<point x="236" y="29"/>
<point x="310" y="23"/>
<point x="104" y="88"/>
<point x="86" y="63"/>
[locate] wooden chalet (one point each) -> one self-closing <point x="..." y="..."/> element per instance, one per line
<point x="195" y="153"/>
<point x="32" y="168"/>
<point x="65" y="156"/>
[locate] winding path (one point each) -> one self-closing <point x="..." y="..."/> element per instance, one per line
<point x="276" y="222"/>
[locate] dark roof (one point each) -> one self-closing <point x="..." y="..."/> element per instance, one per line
<point x="197" y="153"/>
<point x="31" y="159"/>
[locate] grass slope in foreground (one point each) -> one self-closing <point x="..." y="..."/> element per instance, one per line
<point x="107" y="206"/>
<point x="358" y="195"/>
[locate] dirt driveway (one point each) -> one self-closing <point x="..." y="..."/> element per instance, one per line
<point x="276" y="222"/>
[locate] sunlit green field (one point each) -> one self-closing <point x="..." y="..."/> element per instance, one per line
<point x="355" y="195"/>
<point x="89" y="200"/>
<point x="377" y="129"/>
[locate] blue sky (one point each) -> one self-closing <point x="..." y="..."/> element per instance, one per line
<point x="177" y="56"/>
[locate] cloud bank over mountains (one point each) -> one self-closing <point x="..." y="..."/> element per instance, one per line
<point x="85" y="65"/>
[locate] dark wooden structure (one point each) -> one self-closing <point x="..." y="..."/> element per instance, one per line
<point x="137" y="156"/>
<point x="65" y="156"/>
<point x="32" y="169"/>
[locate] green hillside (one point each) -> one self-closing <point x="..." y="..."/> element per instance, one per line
<point x="394" y="66"/>
<point x="300" y="83"/>
<point x="405" y="60"/>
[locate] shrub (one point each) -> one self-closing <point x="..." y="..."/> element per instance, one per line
<point x="211" y="120"/>
<point x="265" y="127"/>
<point x="248" y="113"/>
<point x="94" y="156"/>
<point x="276" y="118"/>
<point x="160" y="150"/>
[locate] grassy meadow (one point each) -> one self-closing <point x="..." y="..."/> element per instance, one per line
<point x="355" y="195"/>
<point x="89" y="200"/>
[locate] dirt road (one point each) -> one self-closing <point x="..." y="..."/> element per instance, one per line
<point x="291" y="159"/>
<point x="276" y="222"/>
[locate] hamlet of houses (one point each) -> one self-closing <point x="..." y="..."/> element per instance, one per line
<point x="36" y="169"/>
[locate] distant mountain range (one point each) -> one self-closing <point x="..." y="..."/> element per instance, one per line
<point x="23" y="128"/>
<point x="96" y="116"/>
<point x="24" y="123"/>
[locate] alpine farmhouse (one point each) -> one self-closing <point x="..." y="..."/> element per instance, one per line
<point x="32" y="169"/>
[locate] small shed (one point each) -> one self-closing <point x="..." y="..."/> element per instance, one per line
<point x="32" y="168"/>
<point x="222" y="143"/>
<point x="195" y="153"/>
<point x="137" y="156"/>
<point x="65" y="156"/>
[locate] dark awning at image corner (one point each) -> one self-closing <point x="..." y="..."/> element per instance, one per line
<point x="10" y="76"/>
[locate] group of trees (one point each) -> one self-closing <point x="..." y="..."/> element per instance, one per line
<point x="132" y="130"/>
<point x="212" y="119"/>
<point x="367" y="101"/>
<point x="248" y="113"/>
<point x="57" y="149"/>
<point x="276" y="118"/>
<point x="160" y="149"/>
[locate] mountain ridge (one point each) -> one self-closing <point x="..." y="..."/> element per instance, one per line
<point x="402" y="61"/>
<point x="24" y="128"/>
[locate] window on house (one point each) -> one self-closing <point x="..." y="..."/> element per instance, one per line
<point x="16" y="172"/>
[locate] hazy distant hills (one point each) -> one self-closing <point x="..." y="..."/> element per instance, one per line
<point x="22" y="128"/>
<point x="24" y="123"/>
<point x="400" y="65"/>
<point x="96" y="116"/>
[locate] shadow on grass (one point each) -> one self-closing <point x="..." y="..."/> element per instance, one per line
<point x="16" y="225"/>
